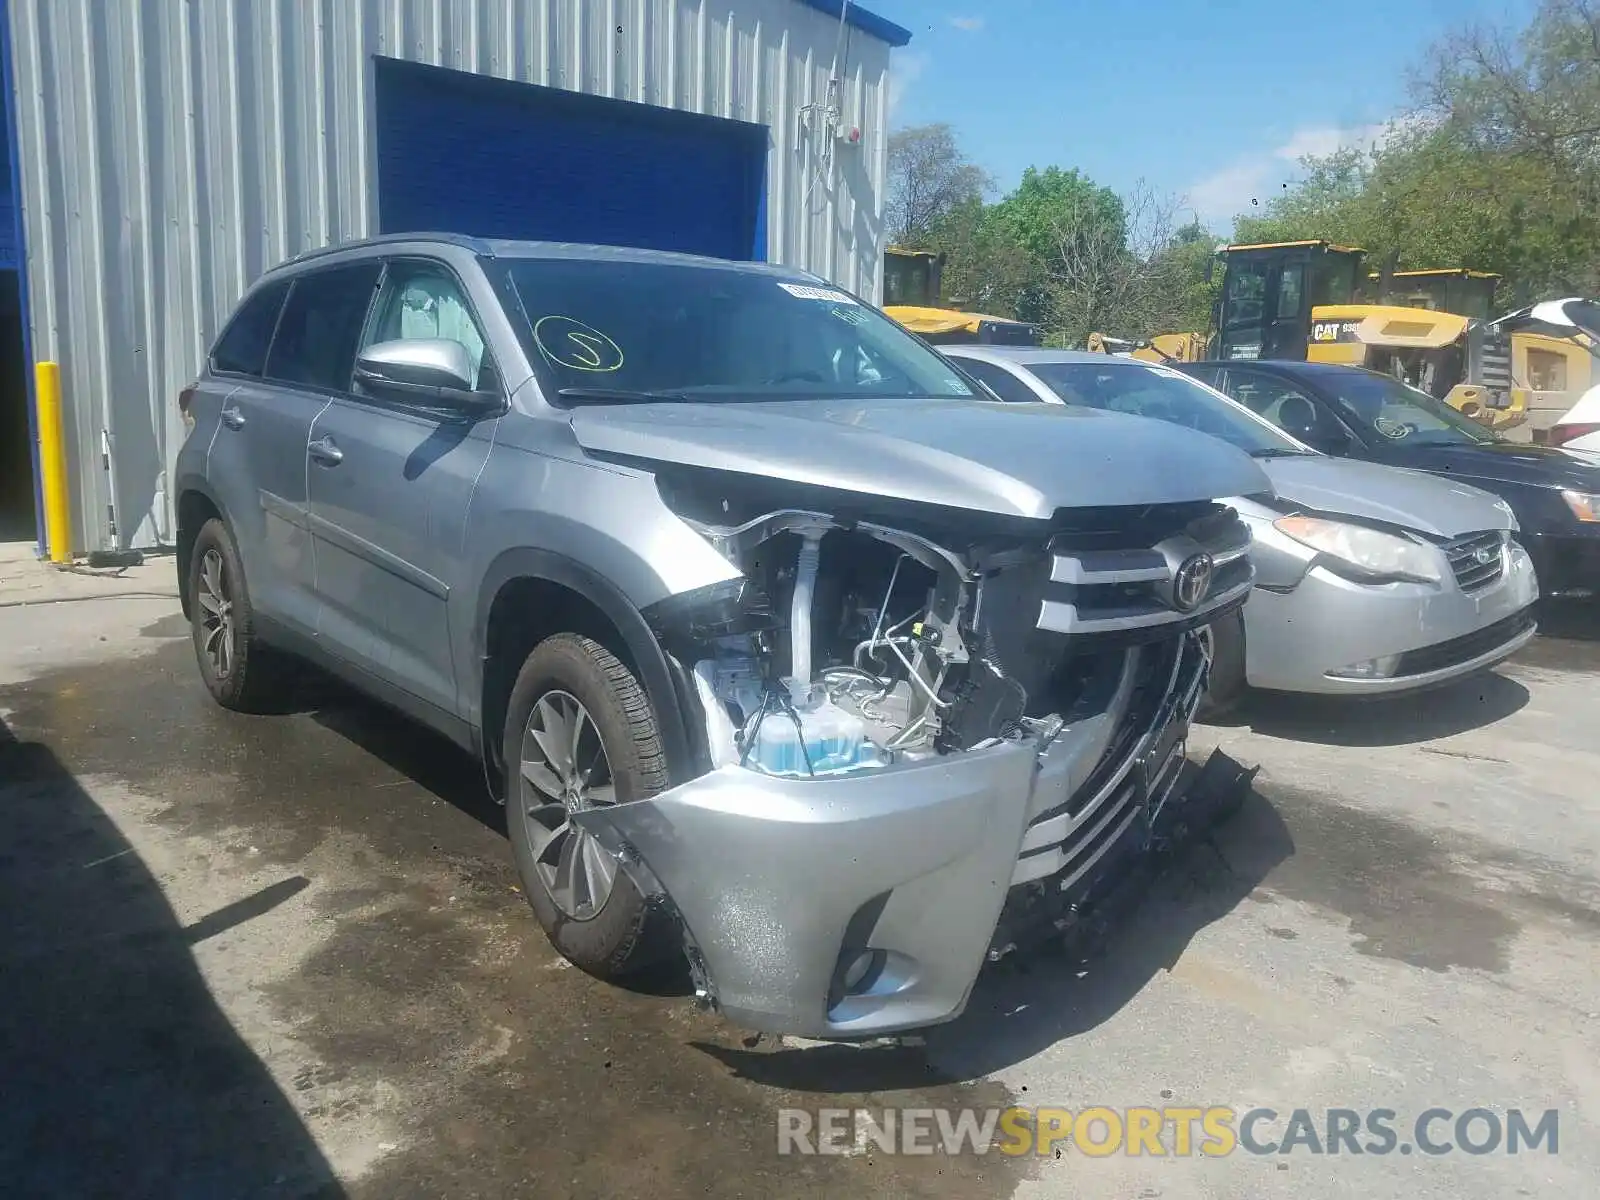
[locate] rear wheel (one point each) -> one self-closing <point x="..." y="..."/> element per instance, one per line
<point x="580" y="734"/>
<point x="239" y="670"/>
<point x="1227" y="687"/>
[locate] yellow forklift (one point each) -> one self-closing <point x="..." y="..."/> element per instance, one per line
<point x="912" y="289"/>
<point x="1311" y="300"/>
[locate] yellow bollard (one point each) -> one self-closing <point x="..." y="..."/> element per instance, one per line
<point x="53" y="463"/>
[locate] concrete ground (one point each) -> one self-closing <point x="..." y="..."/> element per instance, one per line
<point x="286" y="956"/>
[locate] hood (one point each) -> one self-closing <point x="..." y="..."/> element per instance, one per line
<point x="1022" y="460"/>
<point x="1509" y="462"/>
<point x="1391" y="494"/>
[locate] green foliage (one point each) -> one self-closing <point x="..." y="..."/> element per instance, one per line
<point x="1499" y="172"/>
<point x="1053" y="210"/>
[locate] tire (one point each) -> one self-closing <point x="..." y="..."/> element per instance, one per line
<point x="622" y="933"/>
<point x="1227" y="686"/>
<point x="245" y="674"/>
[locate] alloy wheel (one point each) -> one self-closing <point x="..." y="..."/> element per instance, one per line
<point x="216" y="614"/>
<point x="565" y="770"/>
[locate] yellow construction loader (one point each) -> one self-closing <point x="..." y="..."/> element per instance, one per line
<point x="1163" y="347"/>
<point x="1311" y="300"/>
<point x="912" y="290"/>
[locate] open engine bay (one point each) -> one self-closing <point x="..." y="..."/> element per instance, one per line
<point x="918" y="753"/>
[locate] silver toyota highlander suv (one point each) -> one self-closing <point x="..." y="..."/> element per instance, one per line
<point x="787" y="650"/>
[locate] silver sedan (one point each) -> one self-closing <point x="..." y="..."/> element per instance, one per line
<point x="1369" y="579"/>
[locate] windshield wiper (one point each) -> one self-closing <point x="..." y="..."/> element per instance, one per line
<point x="1277" y="452"/>
<point x="603" y="395"/>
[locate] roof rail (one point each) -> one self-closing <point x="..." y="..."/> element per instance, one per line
<point x="466" y="241"/>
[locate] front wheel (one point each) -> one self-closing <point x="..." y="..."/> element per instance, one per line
<point x="580" y="733"/>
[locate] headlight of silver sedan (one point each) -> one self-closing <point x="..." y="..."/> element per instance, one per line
<point x="1365" y="553"/>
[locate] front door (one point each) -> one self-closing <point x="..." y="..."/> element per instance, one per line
<point x="1265" y="307"/>
<point x="390" y="482"/>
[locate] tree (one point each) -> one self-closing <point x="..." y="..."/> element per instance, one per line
<point x="929" y="179"/>
<point x="985" y="268"/>
<point x="1533" y="93"/>
<point x="1521" y="110"/>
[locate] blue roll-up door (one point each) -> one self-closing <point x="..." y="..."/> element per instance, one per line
<point x="472" y="154"/>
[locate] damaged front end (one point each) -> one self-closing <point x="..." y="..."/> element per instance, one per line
<point x="926" y="743"/>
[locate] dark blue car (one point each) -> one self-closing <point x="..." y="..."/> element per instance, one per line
<point x="1356" y="413"/>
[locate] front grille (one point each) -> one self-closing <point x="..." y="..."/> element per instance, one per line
<point x="1477" y="560"/>
<point x="1464" y="649"/>
<point x="1064" y="841"/>
<point x="1095" y="589"/>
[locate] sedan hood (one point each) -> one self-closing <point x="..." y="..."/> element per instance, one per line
<point x="1511" y="462"/>
<point x="1022" y="460"/>
<point x="1395" y="495"/>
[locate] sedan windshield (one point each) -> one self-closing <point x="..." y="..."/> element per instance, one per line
<point x="1396" y="412"/>
<point x="1150" y="391"/>
<point x="611" y="330"/>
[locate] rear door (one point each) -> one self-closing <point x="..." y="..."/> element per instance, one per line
<point x="257" y="460"/>
<point x="390" y="483"/>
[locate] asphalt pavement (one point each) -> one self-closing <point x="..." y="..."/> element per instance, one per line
<point x="287" y="956"/>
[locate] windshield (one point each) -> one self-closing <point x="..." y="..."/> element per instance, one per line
<point x="1400" y="413"/>
<point x="1148" y="391"/>
<point x="617" y="330"/>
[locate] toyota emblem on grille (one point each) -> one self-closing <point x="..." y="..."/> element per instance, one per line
<point x="1192" y="582"/>
<point x="1484" y="555"/>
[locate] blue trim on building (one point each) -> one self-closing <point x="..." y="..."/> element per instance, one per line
<point x="19" y="260"/>
<point x="881" y="28"/>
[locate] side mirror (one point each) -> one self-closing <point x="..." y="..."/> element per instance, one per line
<point x="437" y="370"/>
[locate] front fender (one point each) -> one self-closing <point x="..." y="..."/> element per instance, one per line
<point x="656" y="672"/>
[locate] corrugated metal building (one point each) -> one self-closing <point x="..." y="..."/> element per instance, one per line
<point x="165" y="152"/>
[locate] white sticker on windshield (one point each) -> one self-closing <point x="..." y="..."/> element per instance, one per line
<point x="817" y="293"/>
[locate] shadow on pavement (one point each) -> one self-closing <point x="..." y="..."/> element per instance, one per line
<point x="1023" y="1005"/>
<point x="1440" y="712"/>
<point x="119" y="1075"/>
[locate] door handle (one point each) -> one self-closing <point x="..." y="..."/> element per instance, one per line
<point x="326" y="452"/>
<point x="232" y="417"/>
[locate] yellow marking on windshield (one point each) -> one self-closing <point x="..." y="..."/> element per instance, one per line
<point x="568" y="342"/>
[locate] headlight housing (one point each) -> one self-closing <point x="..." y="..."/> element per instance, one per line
<point x="1367" y="554"/>
<point x="1584" y="505"/>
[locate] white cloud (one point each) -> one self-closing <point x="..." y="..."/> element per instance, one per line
<point x="904" y="70"/>
<point x="967" y="24"/>
<point x="1246" y="184"/>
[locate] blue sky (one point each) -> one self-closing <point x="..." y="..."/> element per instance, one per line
<point x="1214" y="102"/>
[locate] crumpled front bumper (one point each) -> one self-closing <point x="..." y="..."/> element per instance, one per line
<point x="867" y="903"/>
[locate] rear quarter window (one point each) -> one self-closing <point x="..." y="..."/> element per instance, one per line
<point x="242" y="348"/>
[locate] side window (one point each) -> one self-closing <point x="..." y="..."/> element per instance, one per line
<point x="423" y="300"/>
<point x="1210" y="376"/>
<point x="1291" y="288"/>
<point x="242" y="348"/>
<point x="1246" y="290"/>
<point x="316" y="342"/>
<point x="1004" y="384"/>
<point x="1285" y="405"/>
